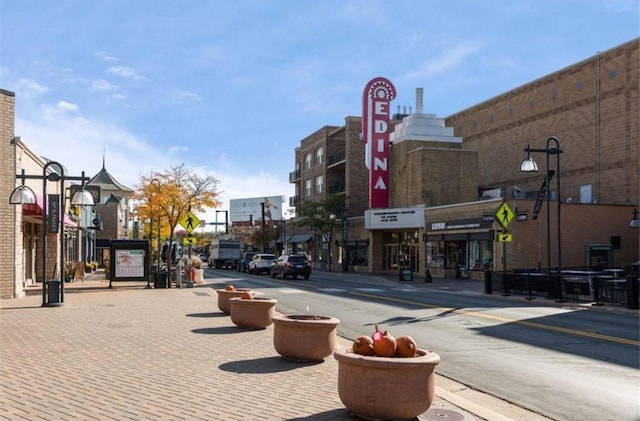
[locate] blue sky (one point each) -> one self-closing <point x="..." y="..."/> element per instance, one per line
<point x="231" y="87"/>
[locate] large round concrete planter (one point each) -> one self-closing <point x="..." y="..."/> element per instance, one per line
<point x="255" y="313"/>
<point x="304" y="337"/>
<point x="386" y="388"/>
<point x="224" y="296"/>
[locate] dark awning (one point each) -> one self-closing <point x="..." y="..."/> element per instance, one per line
<point x="300" y="238"/>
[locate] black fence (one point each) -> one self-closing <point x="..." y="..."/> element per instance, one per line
<point x="573" y="285"/>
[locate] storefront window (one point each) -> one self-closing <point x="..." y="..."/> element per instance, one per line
<point x="480" y="254"/>
<point x="454" y="254"/>
<point x="435" y="254"/>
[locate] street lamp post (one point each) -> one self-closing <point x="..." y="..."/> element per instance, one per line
<point x="53" y="208"/>
<point x="332" y="218"/>
<point x="345" y="237"/>
<point x="284" y="236"/>
<point x="155" y="216"/>
<point x="529" y="165"/>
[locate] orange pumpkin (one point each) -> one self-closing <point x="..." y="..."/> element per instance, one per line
<point x="247" y="295"/>
<point x="384" y="345"/>
<point x="230" y="288"/>
<point x="363" y="345"/>
<point x="406" y="347"/>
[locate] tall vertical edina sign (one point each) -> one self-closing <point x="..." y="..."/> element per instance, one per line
<point x="376" y="100"/>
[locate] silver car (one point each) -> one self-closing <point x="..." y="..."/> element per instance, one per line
<point x="261" y="263"/>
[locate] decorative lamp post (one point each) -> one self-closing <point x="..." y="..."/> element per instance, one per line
<point x="53" y="210"/>
<point x="156" y="184"/>
<point x="284" y="236"/>
<point x="529" y="165"/>
<point x="332" y="218"/>
<point x="345" y="237"/>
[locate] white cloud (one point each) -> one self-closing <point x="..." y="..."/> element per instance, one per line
<point x="453" y="57"/>
<point x="103" y="85"/>
<point x="28" y="88"/>
<point x="106" y="57"/>
<point x="125" y="72"/>
<point x="180" y="96"/>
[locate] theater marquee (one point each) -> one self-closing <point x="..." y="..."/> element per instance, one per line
<point x="376" y="100"/>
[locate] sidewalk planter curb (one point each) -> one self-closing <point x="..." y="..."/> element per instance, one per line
<point x="386" y="388"/>
<point x="254" y="313"/>
<point x="304" y="337"/>
<point x="225" y="295"/>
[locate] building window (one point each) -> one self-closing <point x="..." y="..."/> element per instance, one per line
<point x="531" y="103"/>
<point x="319" y="184"/>
<point x="307" y="188"/>
<point x="613" y="74"/>
<point x="511" y="111"/>
<point x="580" y="86"/>
<point x="319" y="155"/>
<point x="554" y="95"/>
<point x="307" y="161"/>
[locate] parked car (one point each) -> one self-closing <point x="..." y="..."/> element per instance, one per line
<point x="243" y="266"/>
<point x="293" y="266"/>
<point x="261" y="263"/>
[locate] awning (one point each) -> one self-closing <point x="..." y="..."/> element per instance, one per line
<point x="35" y="209"/>
<point x="283" y="239"/>
<point x="300" y="238"/>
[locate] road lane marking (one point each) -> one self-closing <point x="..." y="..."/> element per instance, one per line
<point x="504" y="319"/>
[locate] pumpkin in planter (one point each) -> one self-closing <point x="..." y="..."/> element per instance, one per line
<point x="247" y="295"/>
<point x="406" y="347"/>
<point x="363" y="345"/>
<point x="384" y="345"/>
<point x="230" y="288"/>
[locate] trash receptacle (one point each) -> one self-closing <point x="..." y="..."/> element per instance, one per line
<point x="633" y="286"/>
<point x="53" y="292"/>
<point x="160" y="279"/>
<point x="487" y="282"/>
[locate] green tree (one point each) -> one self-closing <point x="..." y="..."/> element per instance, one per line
<point x="171" y="195"/>
<point x="316" y="214"/>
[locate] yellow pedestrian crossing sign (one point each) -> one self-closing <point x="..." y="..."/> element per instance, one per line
<point x="190" y="222"/>
<point x="505" y="237"/>
<point x="191" y="240"/>
<point x="504" y="215"/>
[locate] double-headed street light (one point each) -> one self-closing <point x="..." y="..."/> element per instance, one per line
<point x="529" y="165"/>
<point x="53" y="211"/>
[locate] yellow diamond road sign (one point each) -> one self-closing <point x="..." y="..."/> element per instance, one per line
<point x="190" y="240"/>
<point x="505" y="237"/>
<point x="504" y="215"/>
<point x="190" y="222"/>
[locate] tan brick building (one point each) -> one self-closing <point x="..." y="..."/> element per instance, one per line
<point x="459" y="169"/>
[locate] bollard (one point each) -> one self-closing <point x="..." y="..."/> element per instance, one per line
<point x="487" y="282"/>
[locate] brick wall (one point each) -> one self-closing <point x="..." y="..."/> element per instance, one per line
<point x="10" y="221"/>
<point x="592" y="107"/>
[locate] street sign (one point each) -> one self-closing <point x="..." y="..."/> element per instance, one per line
<point x="190" y="240"/>
<point x="504" y="215"/>
<point x="190" y="222"/>
<point x="505" y="237"/>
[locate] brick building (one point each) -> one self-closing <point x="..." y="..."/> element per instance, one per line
<point x="458" y="171"/>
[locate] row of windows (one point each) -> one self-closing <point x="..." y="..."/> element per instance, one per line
<point x="319" y="159"/>
<point x="319" y="186"/>
<point x="511" y="110"/>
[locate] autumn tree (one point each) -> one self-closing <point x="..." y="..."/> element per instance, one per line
<point x="316" y="215"/>
<point x="169" y="196"/>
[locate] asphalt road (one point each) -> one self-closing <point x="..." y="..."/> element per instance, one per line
<point x="564" y="362"/>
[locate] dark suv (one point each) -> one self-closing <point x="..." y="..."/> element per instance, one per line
<point x="294" y="266"/>
<point x="243" y="265"/>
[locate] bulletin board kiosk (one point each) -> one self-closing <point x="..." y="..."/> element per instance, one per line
<point x="129" y="261"/>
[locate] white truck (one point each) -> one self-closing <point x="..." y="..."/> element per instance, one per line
<point x="224" y="253"/>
